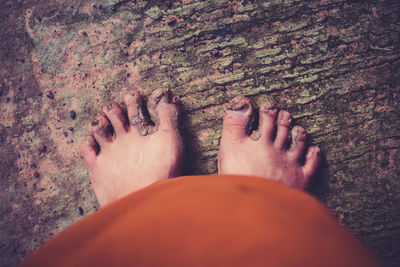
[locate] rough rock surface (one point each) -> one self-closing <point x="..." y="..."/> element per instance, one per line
<point x="334" y="64"/>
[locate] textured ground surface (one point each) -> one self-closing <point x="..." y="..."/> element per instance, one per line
<point x="334" y="64"/>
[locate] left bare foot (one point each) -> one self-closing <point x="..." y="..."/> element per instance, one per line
<point x="123" y="155"/>
<point x="265" y="156"/>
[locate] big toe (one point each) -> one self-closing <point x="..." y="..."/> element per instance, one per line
<point x="237" y="119"/>
<point x="163" y="110"/>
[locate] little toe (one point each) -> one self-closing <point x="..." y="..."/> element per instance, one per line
<point x="117" y="117"/>
<point x="237" y="119"/>
<point x="284" y="121"/>
<point x="299" y="137"/>
<point x="268" y="111"/>
<point x="137" y="120"/>
<point x="163" y="110"/>
<point x="102" y="130"/>
<point x="89" y="150"/>
<point x="312" y="161"/>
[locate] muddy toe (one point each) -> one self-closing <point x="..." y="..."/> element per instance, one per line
<point x="299" y="137"/>
<point x="89" y="149"/>
<point x="137" y="120"/>
<point x="312" y="161"/>
<point x="237" y="119"/>
<point x="282" y="134"/>
<point x="102" y="130"/>
<point x="268" y="112"/>
<point x="163" y="111"/>
<point x="116" y="117"/>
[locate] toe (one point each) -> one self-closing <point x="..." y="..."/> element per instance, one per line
<point x="284" y="121"/>
<point x="116" y="117"/>
<point x="163" y="110"/>
<point x="237" y="119"/>
<point x="268" y="113"/>
<point x="137" y="120"/>
<point x="299" y="138"/>
<point x="89" y="150"/>
<point x="312" y="160"/>
<point x="102" y="130"/>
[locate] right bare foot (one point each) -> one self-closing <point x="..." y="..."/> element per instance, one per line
<point x="123" y="155"/>
<point x="263" y="155"/>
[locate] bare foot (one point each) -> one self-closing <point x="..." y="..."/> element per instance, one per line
<point x="124" y="155"/>
<point x="261" y="154"/>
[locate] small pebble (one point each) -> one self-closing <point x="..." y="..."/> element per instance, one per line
<point x="182" y="49"/>
<point x="216" y="53"/>
<point x="36" y="174"/>
<point x="80" y="210"/>
<point x="50" y="95"/>
<point x="72" y="114"/>
<point x="65" y="134"/>
<point x="171" y="21"/>
<point x="42" y="148"/>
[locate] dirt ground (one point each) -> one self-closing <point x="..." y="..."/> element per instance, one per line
<point x="334" y="64"/>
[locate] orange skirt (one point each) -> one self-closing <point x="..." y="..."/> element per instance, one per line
<point x="207" y="221"/>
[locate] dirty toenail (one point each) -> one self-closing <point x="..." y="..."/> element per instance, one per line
<point x="105" y="132"/>
<point x="164" y="97"/>
<point x="269" y="108"/>
<point x="239" y="107"/>
<point x="299" y="131"/>
<point x="135" y="120"/>
<point x="314" y="152"/>
<point x="175" y="100"/>
<point x="109" y="106"/>
<point x="286" y="116"/>
<point x="95" y="122"/>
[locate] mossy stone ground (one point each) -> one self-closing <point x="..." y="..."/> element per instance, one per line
<point x="334" y="64"/>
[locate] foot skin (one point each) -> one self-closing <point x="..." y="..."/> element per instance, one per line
<point x="126" y="153"/>
<point x="265" y="154"/>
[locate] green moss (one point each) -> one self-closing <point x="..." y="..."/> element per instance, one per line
<point x="268" y="52"/>
<point x="230" y="78"/>
<point x="154" y="12"/>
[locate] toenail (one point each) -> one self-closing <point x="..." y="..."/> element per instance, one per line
<point x="286" y="116"/>
<point x="269" y="109"/>
<point x="109" y="106"/>
<point x="163" y="98"/>
<point x="175" y="100"/>
<point x="269" y="105"/>
<point x="135" y="120"/>
<point x="95" y="122"/>
<point x="105" y="132"/>
<point x="239" y="107"/>
<point x="299" y="131"/>
<point x="242" y="109"/>
<point x="314" y="152"/>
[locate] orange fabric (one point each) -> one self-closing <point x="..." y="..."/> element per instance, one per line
<point x="207" y="221"/>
